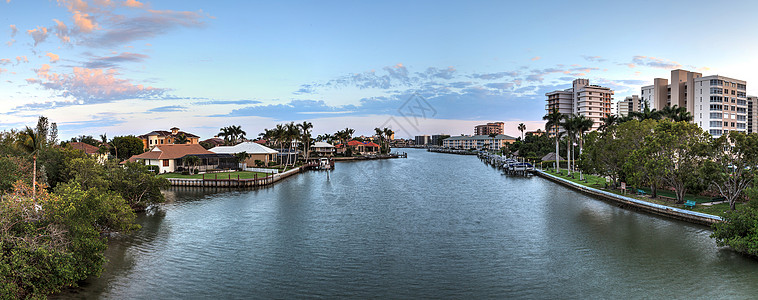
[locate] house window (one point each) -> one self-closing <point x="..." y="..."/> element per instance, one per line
<point x="161" y="142"/>
<point x="165" y="162"/>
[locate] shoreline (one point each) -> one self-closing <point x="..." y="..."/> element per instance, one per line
<point x="636" y="204"/>
<point x="263" y="181"/>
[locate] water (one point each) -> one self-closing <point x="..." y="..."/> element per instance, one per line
<point x="429" y="226"/>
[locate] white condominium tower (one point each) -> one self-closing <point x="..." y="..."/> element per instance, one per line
<point x="592" y="101"/>
<point x="628" y="105"/>
<point x="717" y="103"/>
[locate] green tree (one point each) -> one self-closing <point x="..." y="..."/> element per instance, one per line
<point x="192" y="161"/>
<point x="739" y="230"/>
<point x="305" y="137"/>
<point x="127" y="146"/>
<point x="732" y="167"/>
<point x="138" y="186"/>
<point x="676" y="151"/>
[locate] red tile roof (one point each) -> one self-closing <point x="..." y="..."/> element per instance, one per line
<point x="353" y="143"/>
<point x="372" y="144"/>
<point x="171" y="151"/>
<point x="87" y="148"/>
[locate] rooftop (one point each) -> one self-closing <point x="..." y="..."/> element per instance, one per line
<point x="247" y="147"/>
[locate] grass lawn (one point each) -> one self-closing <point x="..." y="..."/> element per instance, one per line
<point x="599" y="183"/>
<point x="225" y="175"/>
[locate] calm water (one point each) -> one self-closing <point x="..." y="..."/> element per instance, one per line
<point x="431" y="226"/>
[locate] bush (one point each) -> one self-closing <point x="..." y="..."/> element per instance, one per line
<point x="738" y="231"/>
<point x="271" y="163"/>
<point x="259" y="163"/>
<point x="196" y="171"/>
<point x="185" y="172"/>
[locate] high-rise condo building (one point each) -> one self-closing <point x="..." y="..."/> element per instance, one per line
<point x="717" y="103"/>
<point x="489" y="128"/>
<point x="592" y="101"/>
<point x="628" y="105"/>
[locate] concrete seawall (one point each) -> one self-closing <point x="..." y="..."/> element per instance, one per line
<point x="234" y="183"/>
<point x="628" y="202"/>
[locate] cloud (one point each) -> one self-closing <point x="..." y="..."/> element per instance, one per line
<point x="61" y="31"/>
<point x="593" y="58"/>
<point x="655" y="62"/>
<point x="500" y="85"/>
<point x="39" y="34"/>
<point x="123" y="29"/>
<point x="5" y="61"/>
<point x="87" y="85"/>
<point x="112" y="61"/>
<point x="84" y="22"/>
<point x="440" y="73"/>
<point x="53" y="57"/>
<point x="20" y="59"/>
<point x="133" y="3"/>
<point x="227" y="102"/>
<point x="536" y="58"/>
<point x="14" y="30"/>
<point x="171" y="108"/>
<point x="497" y="75"/>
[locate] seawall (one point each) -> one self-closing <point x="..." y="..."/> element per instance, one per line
<point x="636" y="204"/>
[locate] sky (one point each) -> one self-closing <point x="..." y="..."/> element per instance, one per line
<point x="121" y="67"/>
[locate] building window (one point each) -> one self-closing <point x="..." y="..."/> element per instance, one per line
<point x="715" y="123"/>
<point x="165" y="162"/>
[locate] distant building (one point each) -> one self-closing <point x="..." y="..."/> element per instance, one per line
<point x="718" y="104"/>
<point x="422" y="140"/>
<point x="489" y="128"/>
<point x="253" y="150"/>
<point x="591" y="101"/>
<point x="628" y="105"/>
<point x="162" y="137"/>
<point x="437" y="139"/>
<point x="538" y="132"/>
<point x="322" y="149"/>
<point x="90" y="150"/>
<point x="169" y="158"/>
<point x="478" y="142"/>
<point x="752" y="114"/>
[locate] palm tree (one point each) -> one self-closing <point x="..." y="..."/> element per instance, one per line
<point x="553" y="122"/>
<point x="32" y="141"/>
<point x="522" y="127"/>
<point x="181" y="139"/>
<point x="290" y="134"/>
<point x="608" y="121"/>
<point x="646" y="113"/>
<point x="238" y="135"/>
<point x="388" y="134"/>
<point x="583" y="124"/>
<point x="305" y="132"/>
<point x="569" y="125"/>
<point x="226" y="133"/>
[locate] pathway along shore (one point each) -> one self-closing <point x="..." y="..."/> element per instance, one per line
<point x="636" y="204"/>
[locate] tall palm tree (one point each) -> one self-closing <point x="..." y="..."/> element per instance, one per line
<point x="380" y="135"/>
<point x="569" y="125"/>
<point x="522" y="127"/>
<point x="646" y="114"/>
<point x="388" y="134"/>
<point x="226" y="133"/>
<point x="32" y="141"/>
<point x="305" y="137"/>
<point x="608" y="121"/>
<point x="291" y="134"/>
<point x="553" y="122"/>
<point x="583" y="124"/>
<point x="238" y="135"/>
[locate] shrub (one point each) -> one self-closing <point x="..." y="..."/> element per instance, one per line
<point x="153" y="168"/>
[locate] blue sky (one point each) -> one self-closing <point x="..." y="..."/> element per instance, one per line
<point x="130" y="67"/>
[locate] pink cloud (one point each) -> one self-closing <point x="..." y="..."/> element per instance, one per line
<point x="39" y="34"/>
<point x="93" y="85"/>
<point x="84" y="22"/>
<point x="5" y="61"/>
<point x="13" y="30"/>
<point x="53" y="57"/>
<point x="536" y="58"/>
<point x="61" y="31"/>
<point x="133" y="3"/>
<point x="20" y="59"/>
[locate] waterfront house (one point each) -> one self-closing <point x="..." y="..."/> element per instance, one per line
<point x="253" y="150"/>
<point x="90" y="150"/>
<point x="323" y="149"/>
<point x="162" y="137"/>
<point x="478" y="142"/>
<point x="168" y="158"/>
